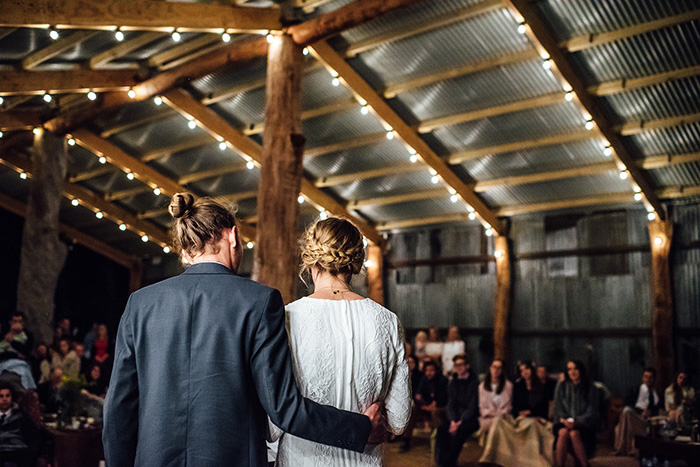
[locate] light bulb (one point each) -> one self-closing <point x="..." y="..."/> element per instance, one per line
<point x="144" y="238"/>
<point x="589" y="124"/>
<point x="23" y="175"/>
<point x="335" y="82"/>
<point x="250" y="245"/>
<point x="472" y="216"/>
<point x="1" y="100"/>
<point x="521" y="28"/>
<point x="454" y="198"/>
<point x="36" y="131"/>
<point x="130" y="175"/>
<point x="305" y="51"/>
<point x="498" y="253"/>
<point x="569" y="96"/>
<point x="323" y="215"/>
<point x="157" y="100"/>
<point x="269" y="38"/>
<point x="364" y="242"/>
<point x="75" y="202"/>
<point x="300" y="199"/>
<point x="488" y="232"/>
<point x="608" y="151"/>
<point x="47" y="97"/>
<point x="637" y="196"/>
<point x="226" y="37"/>
<point x="222" y="146"/>
<point x="651" y="216"/>
<point x="434" y="179"/>
<point x="623" y="175"/>
<point x="390" y="134"/>
<point x="53" y="34"/>
<point x="547" y="64"/>
<point x="364" y="110"/>
<point x="99" y="215"/>
<point x="176" y="38"/>
<point x="131" y="93"/>
<point x="250" y="165"/>
<point x="118" y="35"/>
<point x="192" y="124"/>
<point x="102" y="159"/>
<point x="413" y="158"/>
<point x="432" y="171"/>
<point x="658" y="241"/>
<point x="122" y="227"/>
<point x="71" y="142"/>
<point x="166" y="249"/>
<point x="91" y="95"/>
<point x="369" y="263"/>
<point x="156" y="191"/>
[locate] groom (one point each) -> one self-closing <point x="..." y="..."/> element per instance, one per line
<point x="201" y="360"/>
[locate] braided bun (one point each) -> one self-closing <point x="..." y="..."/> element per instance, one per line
<point x="181" y="204"/>
<point x="334" y="245"/>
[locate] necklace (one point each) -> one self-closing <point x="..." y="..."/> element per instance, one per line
<point x="336" y="291"/>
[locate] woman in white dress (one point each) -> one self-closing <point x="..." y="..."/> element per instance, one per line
<point x="347" y="350"/>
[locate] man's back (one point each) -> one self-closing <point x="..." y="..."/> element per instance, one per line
<point x="198" y="357"/>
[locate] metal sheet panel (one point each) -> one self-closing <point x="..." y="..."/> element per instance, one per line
<point x="676" y="175"/>
<point x="387" y="153"/>
<point x="227" y="184"/>
<point x="422" y="208"/>
<point x="678" y="140"/>
<point x="674" y="98"/>
<point x="384" y="186"/>
<point x="163" y="133"/>
<point x="339" y="126"/>
<point x="198" y="159"/>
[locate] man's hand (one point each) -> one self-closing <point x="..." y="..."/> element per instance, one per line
<point x="454" y="426"/>
<point x="523" y="413"/>
<point x="378" y="433"/>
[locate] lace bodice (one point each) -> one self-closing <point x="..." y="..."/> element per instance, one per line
<point x="348" y="354"/>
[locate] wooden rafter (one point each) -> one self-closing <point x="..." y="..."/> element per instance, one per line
<point x="10" y="121"/>
<point x="159" y="115"/>
<point x="462" y="70"/>
<point x="138" y="15"/>
<point x="196" y="142"/>
<point x="439" y="22"/>
<point x="59" y="46"/>
<point x="629" y="84"/>
<point x="99" y="247"/>
<point x="88" y="174"/>
<point x="633" y="128"/>
<point x="657" y="162"/>
<point x="587" y="41"/>
<point x="309" y="114"/>
<point x="216" y="126"/>
<point x="540" y="33"/>
<point x="404" y="224"/>
<point x="233" y="198"/>
<point x="352" y="143"/>
<point x="588" y="170"/>
<point x="123" y="49"/>
<point x="11" y="103"/>
<point x="383" y="172"/>
<point x="526" y="104"/>
<point x="39" y="82"/>
<point x="185" y="52"/>
<point x="204" y="174"/>
<point x="394" y="199"/>
<point x="335" y="61"/>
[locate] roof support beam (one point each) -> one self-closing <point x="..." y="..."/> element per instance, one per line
<point x="124" y="48"/>
<point x="589" y="170"/>
<point x="355" y="82"/>
<point x="353" y="143"/>
<point x="587" y="41"/>
<point x="19" y="121"/>
<point x="189" y="48"/>
<point x="444" y="20"/>
<point x="620" y="85"/>
<point x="199" y="141"/>
<point x="634" y="128"/>
<point x="395" y="199"/>
<point x="384" y="171"/>
<point x="59" y="46"/>
<point x="73" y="81"/>
<point x="540" y="33"/>
<point x="141" y="15"/>
<point x="309" y="114"/>
<point x="541" y="101"/>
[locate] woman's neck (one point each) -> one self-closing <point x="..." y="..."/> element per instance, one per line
<point x="330" y="287"/>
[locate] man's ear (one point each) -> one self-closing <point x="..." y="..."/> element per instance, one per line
<point x="233" y="236"/>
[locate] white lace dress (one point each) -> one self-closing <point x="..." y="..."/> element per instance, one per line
<point x="348" y="354"/>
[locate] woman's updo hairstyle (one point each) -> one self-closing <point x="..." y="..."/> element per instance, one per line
<point x="197" y="224"/>
<point x="334" y="245"/>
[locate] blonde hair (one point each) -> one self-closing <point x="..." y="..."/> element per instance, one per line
<point x="198" y="224"/>
<point x="334" y="245"/>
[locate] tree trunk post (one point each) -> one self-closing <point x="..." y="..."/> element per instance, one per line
<point x="660" y="234"/>
<point x="276" y="258"/>
<point x="43" y="254"/>
<point x="375" y="274"/>
<point x="501" y="318"/>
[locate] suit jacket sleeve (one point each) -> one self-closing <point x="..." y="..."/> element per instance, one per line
<point x="472" y="411"/>
<point x="452" y="413"/>
<point x="121" y="407"/>
<point x="279" y="395"/>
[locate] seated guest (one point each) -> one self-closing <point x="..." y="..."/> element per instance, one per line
<point x="453" y="346"/>
<point x="528" y="394"/>
<point x="48" y="392"/>
<point x="19" y="436"/>
<point x="102" y="349"/>
<point x="576" y="416"/>
<point x="549" y="385"/>
<point x="40" y="364"/>
<point x="641" y="403"/>
<point x="84" y="361"/>
<point x="95" y="382"/>
<point x="18" y="339"/>
<point x="66" y="359"/>
<point x="434" y="346"/>
<point x="495" y="395"/>
<point x="432" y="393"/>
<point x="416" y="380"/>
<point x="421" y="342"/>
<point x="462" y="413"/>
<point x="679" y="398"/>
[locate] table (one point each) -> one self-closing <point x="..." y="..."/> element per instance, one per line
<point x="77" y="448"/>
<point x="667" y="449"/>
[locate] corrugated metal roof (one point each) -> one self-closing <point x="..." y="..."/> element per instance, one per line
<point x="227" y="184"/>
<point x="384" y="186"/>
<point x="665" y="100"/>
<point x="337" y="126"/>
<point x="197" y="159"/>
<point x="677" y="140"/>
<point x="676" y="175"/>
<point x="230" y="77"/>
<point x="385" y="154"/>
<point x="423" y="208"/>
<point x="163" y="133"/>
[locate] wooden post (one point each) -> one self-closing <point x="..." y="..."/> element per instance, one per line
<point x="660" y="234"/>
<point x="43" y="254"/>
<point x="375" y="274"/>
<point x="276" y="258"/>
<point x="501" y="317"/>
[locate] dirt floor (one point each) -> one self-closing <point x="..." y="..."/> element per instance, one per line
<point x="419" y="455"/>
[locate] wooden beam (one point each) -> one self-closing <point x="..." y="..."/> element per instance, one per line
<point x="11" y="103"/>
<point x="355" y="82"/>
<point x="352" y="143"/>
<point x="443" y="20"/>
<point x="421" y="221"/>
<point x="186" y="49"/>
<point x="138" y="15"/>
<point x="138" y="122"/>
<point x="541" y="34"/>
<point x="60" y="82"/>
<point x="198" y="141"/>
<point x="204" y="174"/>
<point x="10" y="121"/>
<point x="587" y="41"/>
<point x="394" y="199"/>
<point x="346" y="17"/>
<point x="233" y="198"/>
<point x="584" y="171"/>
<point x="123" y="49"/>
<point x="59" y="46"/>
<point x="216" y="126"/>
<point x="128" y="193"/>
<point x="661" y="236"/>
<point x="656" y="162"/>
<point x="678" y="192"/>
<point x="6" y="32"/>
<point x="527" y="104"/>
<point x="628" y="84"/>
<point x="504" y="293"/>
<point x="562" y="138"/>
<point x="375" y="274"/>
<point x="633" y="128"/>
<point x="91" y="243"/>
<point x="383" y="172"/>
<point x="309" y="114"/>
<point x="462" y="70"/>
<point x="88" y="174"/>
<point x="610" y="198"/>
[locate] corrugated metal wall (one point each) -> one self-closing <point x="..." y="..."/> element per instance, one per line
<point x="594" y="307"/>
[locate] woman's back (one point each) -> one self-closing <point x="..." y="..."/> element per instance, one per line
<point x="348" y="354"/>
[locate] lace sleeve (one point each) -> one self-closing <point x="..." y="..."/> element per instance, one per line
<point x="398" y="400"/>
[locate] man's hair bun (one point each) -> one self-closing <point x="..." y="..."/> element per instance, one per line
<point x="180" y="204"/>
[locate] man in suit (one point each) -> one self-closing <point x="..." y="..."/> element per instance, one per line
<point x="19" y="437"/>
<point x="202" y="359"/>
<point x="641" y="403"/>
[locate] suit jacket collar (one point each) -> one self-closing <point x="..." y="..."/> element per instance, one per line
<point x="207" y="268"/>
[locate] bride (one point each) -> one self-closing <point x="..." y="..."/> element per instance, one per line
<point x="347" y="350"/>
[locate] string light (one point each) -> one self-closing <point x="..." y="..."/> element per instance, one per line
<point x="472" y="216"/>
<point x="390" y="134"/>
<point x="569" y="96"/>
<point x="176" y="38"/>
<point x="589" y="124"/>
<point x="144" y="238"/>
<point x="23" y="175"/>
<point x="91" y="95"/>
<point x="102" y="159"/>
<point x="47" y="97"/>
<point x="521" y="28"/>
<point x="607" y="151"/>
<point x="364" y="242"/>
<point x="651" y="216"/>
<point x="305" y="51"/>
<point x="1" y="134"/>
<point x="637" y="196"/>
<point x="1" y="100"/>
<point x="53" y="34"/>
<point x="658" y="241"/>
<point x="118" y="35"/>
<point x="488" y="232"/>
<point x="432" y="171"/>
<point x="250" y="165"/>
<point x="335" y="81"/>
<point x="166" y="249"/>
<point x="156" y="191"/>
<point x="131" y="93"/>
<point x="122" y="227"/>
<point x="547" y="64"/>
<point x="413" y="158"/>
<point x="36" y="131"/>
<point x="434" y="179"/>
<point x="498" y="253"/>
<point x="250" y="245"/>
<point x="192" y="124"/>
<point x="454" y="198"/>
<point x="226" y="37"/>
<point x="364" y="110"/>
<point x="130" y="175"/>
<point x="157" y="100"/>
<point x="369" y="263"/>
<point x="71" y="142"/>
<point x="300" y="199"/>
<point x="323" y="215"/>
<point x="75" y="202"/>
<point x="623" y="175"/>
<point x="99" y="215"/>
<point x="269" y="38"/>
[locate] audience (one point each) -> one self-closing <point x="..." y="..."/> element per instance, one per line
<point x="548" y="387"/>
<point x="416" y="381"/>
<point x="66" y="359"/>
<point x="641" y="403"/>
<point x="421" y="342"/>
<point x="48" y="392"/>
<point x="432" y="393"/>
<point x="575" y="415"/>
<point x="19" y="436"/>
<point x="102" y="348"/>
<point x="495" y="395"/>
<point x="453" y="346"/>
<point x="528" y="394"/>
<point x="40" y="364"/>
<point x="679" y="399"/>
<point x="17" y="339"/>
<point x="434" y="347"/>
<point x="462" y="413"/>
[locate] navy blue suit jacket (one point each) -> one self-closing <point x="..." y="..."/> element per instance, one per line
<point x="201" y="359"/>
